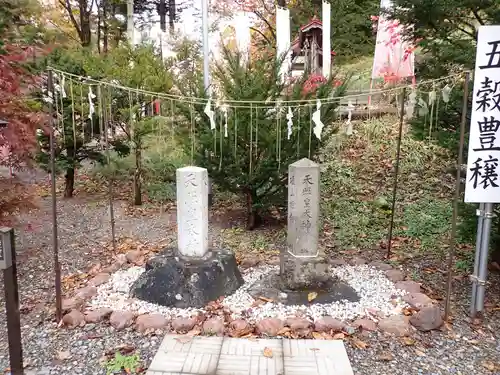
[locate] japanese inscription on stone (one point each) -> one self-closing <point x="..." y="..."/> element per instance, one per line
<point x="192" y="211"/>
<point x="483" y="184"/>
<point x="303" y="207"/>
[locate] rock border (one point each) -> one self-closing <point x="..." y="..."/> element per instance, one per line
<point x="423" y="315"/>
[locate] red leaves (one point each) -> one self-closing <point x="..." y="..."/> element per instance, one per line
<point x="19" y="137"/>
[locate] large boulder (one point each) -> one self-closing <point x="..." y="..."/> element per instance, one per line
<point x="170" y="280"/>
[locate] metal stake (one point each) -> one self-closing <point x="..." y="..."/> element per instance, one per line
<point x="8" y="251"/>
<point x="451" y="250"/>
<point x="477" y="259"/>
<point x="396" y="172"/>
<point x="483" y="258"/>
<point x="55" y="242"/>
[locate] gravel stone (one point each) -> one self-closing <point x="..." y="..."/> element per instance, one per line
<point x="395" y="275"/>
<point x="121" y="319"/>
<point x="214" y="326"/>
<point x="397" y="325"/>
<point x="408" y="286"/>
<point x="417" y="300"/>
<point x="327" y="323"/>
<point x="150" y="321"/>
<point x="96" y="316"/>
<point x="365" y="324"/>
<point x="183" y="324"/>
<point x="73" y="319"/>
<point x="269" y="326"/>
<point x="427" y="319"/>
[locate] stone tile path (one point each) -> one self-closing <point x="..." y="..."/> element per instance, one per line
<point x="181" y="355"/>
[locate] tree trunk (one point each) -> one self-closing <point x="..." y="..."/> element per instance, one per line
<point x="495" y="254"/>
<point x="69" y="182"/>
<point x="105" y="29"/>
<point x="99" y="31"/>
<point x="137" y="177"/>
<point x="171" y="16"/>
<point x="85" y="29"/>
<point x="253" y="217"/>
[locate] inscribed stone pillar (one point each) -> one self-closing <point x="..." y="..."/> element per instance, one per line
<point x="303" y="208"/>
<point x="301" y="266"/>
<point x="192" y="211"/>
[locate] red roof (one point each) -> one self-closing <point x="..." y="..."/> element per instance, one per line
<point x="314" y="23"/>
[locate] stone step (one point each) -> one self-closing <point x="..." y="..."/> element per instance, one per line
<point x="183" y="355"/>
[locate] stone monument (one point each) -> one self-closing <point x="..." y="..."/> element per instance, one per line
<point x="301" y="264"/>
<point x="192" y="274"/>
<point x="303" y="269"/>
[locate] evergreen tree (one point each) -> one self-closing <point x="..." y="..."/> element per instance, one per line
<point x="253" y="159"/>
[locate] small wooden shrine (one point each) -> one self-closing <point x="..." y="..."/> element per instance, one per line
<point x="307" y="52"/>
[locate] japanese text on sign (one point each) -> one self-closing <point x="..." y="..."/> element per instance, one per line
<point x="483" y="184"/>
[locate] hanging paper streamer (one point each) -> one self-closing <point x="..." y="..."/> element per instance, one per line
<point x="283" y="41"/>
<point x="211" y="114"/>
<point x="224" y="112"/>
<point x="424" y="109"/>
<point x="316" y="118"/>
<point x="289" y="117"/>
<point x="432" y="97"/>
<point x="327" y="55"/>
<point x="63" y="83"/>
<point x="446" y="93"/>
<point x="350" y="110"/>
<point x="91" y="96"/>
<point x="410" y="106"/>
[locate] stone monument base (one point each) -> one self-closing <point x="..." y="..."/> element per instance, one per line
<point x="302" y="273"/>
<point x="173" y="281"/>
<point x="331" y="289"/>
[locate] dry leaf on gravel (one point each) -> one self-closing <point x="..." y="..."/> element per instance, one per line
<point x="359" y="344"/>
<point x="490" y="366"/>
<point x="283" y="331"/>
<point x="339" y="336"/>
<point x="384" y="356"/>
<point x="194" y="332"/>
<point x="318" y="336"/>
<point x="268" y="353"/>
<point x="266" y="299"/>
<point x="312" y="296"/>
<point x="408" y="341"/>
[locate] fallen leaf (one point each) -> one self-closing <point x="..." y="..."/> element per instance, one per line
<point x="194" y="332"/>
<point x="265" y="299"/>
<point x="268" y="353"/>
<point x="489" y="366"/>
<point x="63" y="355"/>
<point x="317" y="336"/>
<point x="283" y="331"/>
<point x="338" y="336"/>
<point x="408" y="341"/>
<point x="384" y="356"/>
<point x="359" y="344"/>
<point x="311" y="296"/>
<point x="183" y="339"/>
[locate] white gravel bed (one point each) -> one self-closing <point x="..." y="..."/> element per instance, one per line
<point x="376" y="292"/>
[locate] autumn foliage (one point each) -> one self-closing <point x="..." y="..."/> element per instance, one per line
<point x="18" y="139"/>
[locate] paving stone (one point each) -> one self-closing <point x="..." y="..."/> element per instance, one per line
<point x="184" y="355"/>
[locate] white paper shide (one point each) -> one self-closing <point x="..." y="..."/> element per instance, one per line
<point x="483" y="185"/>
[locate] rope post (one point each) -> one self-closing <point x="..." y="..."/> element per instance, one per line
<point x="451" y="250"/>
<point x="55" y="240"/>
<point x="396" y="172"/>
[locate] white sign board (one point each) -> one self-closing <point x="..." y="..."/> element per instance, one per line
<point x="483" y="166"/>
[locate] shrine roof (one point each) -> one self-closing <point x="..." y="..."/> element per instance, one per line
<point x="313" y="24"/>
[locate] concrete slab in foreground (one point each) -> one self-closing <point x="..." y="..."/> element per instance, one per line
<point x="182" y="355"/>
